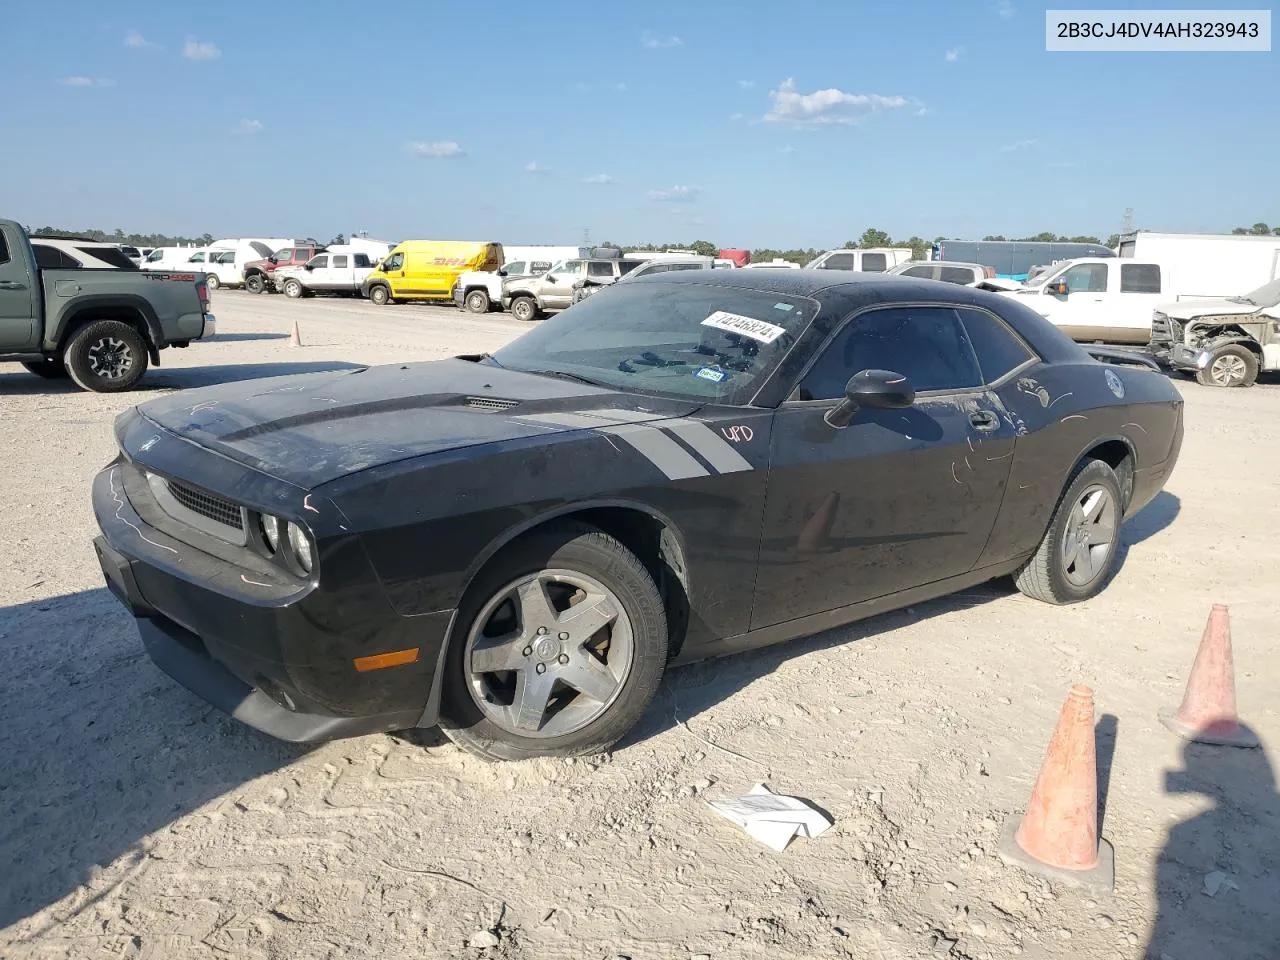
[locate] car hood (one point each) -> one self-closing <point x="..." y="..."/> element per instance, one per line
<point x="1189" y="309"/>
<point x="308" y="429"/>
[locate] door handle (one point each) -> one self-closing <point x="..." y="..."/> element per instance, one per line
<point x="984" y="420"/>
<point x="12" y="285"/>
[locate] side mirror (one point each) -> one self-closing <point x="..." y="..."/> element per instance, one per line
<point x="272" y="260"/>
<point x="308" y="266"/>
<point x="502" y="271"/>
<point x="550" y="278"/>
<point x="878" y="389"/>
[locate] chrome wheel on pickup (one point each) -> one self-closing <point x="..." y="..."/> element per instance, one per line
<point x="477" y="301"/>
<point x="1231" y="365"/>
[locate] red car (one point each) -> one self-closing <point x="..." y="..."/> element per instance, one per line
<point x="257" y="273"/>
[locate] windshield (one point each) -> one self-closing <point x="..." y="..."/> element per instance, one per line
<point x="1267" y="295"/>
<point x="712" y="343"/>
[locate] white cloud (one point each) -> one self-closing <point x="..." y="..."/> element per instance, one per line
<point x="952" y="55"/>
<point x="1018" y="145"/>
<point x="136" y="40"/>
<point x="247" y="127"/>
<point x="600" y="179"/>
<point x="923" y="112"/>
<point x="435" y="148"/>
<point x="86" y="82"/>
<point x="746" y="84"/>
<point x="1005" y="9"/>
<point x="620" y="87"/>
<point x="825" y="106"/>
<point x="677" y="194"/>
<point x="654" y="41"/>
<point x="197" y="50"/>
<point x="534" y="167"/>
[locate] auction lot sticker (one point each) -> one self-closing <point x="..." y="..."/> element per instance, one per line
<point x="747" y="326"/>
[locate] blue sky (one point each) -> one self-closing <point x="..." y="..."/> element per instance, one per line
<point x="748" y="124"/>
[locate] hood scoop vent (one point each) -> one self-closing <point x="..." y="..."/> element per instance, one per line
<point x="491" y="403"/>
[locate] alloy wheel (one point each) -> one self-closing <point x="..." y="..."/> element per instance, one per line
<point x="1089" y="536"/>
<point x="110" y="358"/>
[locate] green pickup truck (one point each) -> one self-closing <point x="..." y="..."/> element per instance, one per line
<point x="99" y="327"/>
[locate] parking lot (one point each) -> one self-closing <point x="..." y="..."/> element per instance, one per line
<point x="138" y="821"/>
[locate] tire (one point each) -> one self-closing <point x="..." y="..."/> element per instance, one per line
<point x="1054" y="573"/>
<point x="293" y="289"/>
<point x="566" y="556"/>
<point x="106" y="356"/>
<point x="1231" y="365"/>
<point x="477" y="301"/>
<point x="379" y="295"/>
<point x="51" y="368"/>
<point x="211" y="281"/>
<point x="255" y="283"/>
<point x="525" y="309"/>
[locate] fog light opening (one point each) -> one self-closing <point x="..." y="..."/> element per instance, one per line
<point x="301" y="546"/>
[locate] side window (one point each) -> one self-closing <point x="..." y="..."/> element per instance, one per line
<point x="1140" y="278"/>
<point x="320" y="262"/>
<point x="51" y="258"/>
<point x="155" y="256"/>
<point x="956" y="275"/>
<point x="924" y="271"/>
<point x="875" y="262"/>
<point x="600" y="268"/>
<point x="340" y="260"/>
<point x="111" y="255"/>
<point x="575" y="268"/>
<point x="925" y="344"/>
<point x="1086" y="278"/>
<point x="514" y="269"/>
<point x="998" y="348"/>
<point x="839" y="261"/>
<point x="196" y="258"/>
<point x="4" y="248"/>
<point x="686" y="266"/>
<point x="362" y="261"/>
<point x="394" y="262"/>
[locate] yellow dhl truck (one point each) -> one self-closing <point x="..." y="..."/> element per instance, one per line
<point x="426" y="269"/>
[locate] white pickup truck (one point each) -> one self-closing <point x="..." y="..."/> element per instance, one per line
<point x="1108" y="300"/>
<point x="330" y="272"/>
<point x="1224" y="342"/>
<point x="479" y="291"/>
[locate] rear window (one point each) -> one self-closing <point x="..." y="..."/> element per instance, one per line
<point x="339" y="260"/>
<point x="925" y="272"/>
<point x="4" y="248"/>
<point x="362" y="261"/>
<point x="626" y="266"/>
<point x="839" y="261"/>
<point x="1140" y="278"/>
<point x="51" y="258"/>
<point x="874" y="262"/>
<point x="112" y="255"/>
<point x="597" y="268"/>
<point x="956" y="275"/>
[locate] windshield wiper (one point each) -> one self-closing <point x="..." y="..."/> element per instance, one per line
<point x="566" y="376"/>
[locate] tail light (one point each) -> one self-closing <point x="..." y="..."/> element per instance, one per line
<point x="202" y="291"/>
<point x="989" y="272"/>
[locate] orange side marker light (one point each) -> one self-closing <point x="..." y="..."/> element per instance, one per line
<point x="380" y="661"/>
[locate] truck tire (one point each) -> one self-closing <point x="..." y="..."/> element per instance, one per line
<point x="477" y="301"/>
<point x="379" y="295"/>
<point x="525" y="309"/>
<point x="51" y="368"/>
<point x="293" y="289"/>
<point x="106" y="356"/>
<point x="1230" y="365"/>
<point x="255" y="283"/>
<point x="211" y="281"/>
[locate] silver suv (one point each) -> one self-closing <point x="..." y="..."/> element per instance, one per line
<point x="528" y="298"/>
<point x="965" y="274"/>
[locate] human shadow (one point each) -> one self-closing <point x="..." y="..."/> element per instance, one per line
<point x="101" y="749"/>
<point x="1218" y="875"/>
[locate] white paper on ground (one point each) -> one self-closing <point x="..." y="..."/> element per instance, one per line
<point x="770" y="817"/>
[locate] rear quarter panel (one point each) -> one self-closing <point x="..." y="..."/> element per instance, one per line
<point x="1060" y="412"/>
<point x="167" y="301"/>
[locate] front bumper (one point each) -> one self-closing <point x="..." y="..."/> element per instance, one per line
<point x="457" y="296"/>
<point x="1177" y="356"/>
<point x="279" y="657"/>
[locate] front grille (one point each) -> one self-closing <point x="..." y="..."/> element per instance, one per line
<point x="1165" y="330"/>
<point x="488" y="403"/>
<point x="213" y="508"/>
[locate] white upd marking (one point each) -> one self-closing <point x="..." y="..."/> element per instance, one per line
<point x="747" y="326"/>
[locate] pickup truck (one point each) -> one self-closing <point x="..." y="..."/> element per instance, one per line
<point x="328" y="272"/>
<point x="529" y="298"/>
<point x="258" y="273"/>
<point x="1096" y="298"/>
<point x="99" y="327"/>
<point x="479" y="291"/>
<point x="1224" y="342"/>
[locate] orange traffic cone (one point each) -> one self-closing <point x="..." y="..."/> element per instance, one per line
<point x="1058" y="835"/>
<point x="1208" y="711"/>
<point x="295" y="340"/>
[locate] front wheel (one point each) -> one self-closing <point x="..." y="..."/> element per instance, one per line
<point x="477" y="301"/>
<point x="524" y="309"/>
<point x="106" y="357"/>
<point x="1075" y="558"/>
<point x="255" y="283"/>
<point x="560" y="645"/>
<point x="1232" y="365"/>
<point x="292" y="289"/>
<point x="211" y="281"/>
<point x="379" y="295"/>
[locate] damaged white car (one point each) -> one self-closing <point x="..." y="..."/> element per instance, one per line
<point x="1225" y="343"/>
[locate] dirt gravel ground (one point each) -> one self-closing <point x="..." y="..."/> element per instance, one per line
<point x="135" y="821"/>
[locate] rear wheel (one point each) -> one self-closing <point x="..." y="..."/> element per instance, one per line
<point x="255" y="283"/>
<point x="561" y="644"/>
<point x="524" y="309"/>
<point x="477" y="301"/>
<point x="1231" y="365"/>
<point x="51" y="368"/>
<point x="107" y="356"/>
<point x="1076" y="556"/>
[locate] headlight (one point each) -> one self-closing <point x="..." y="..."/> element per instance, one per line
<point x="301" y="547"/>
<point x="270" y="531"/>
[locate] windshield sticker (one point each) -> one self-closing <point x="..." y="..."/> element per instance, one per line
<point x="748" y="327"/>
<point x="714" y="374"/>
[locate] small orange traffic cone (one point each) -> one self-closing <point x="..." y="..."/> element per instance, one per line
<point x="1208" y="710"/>
<point x="1058" y="835"/>
<point x="295" y="339"/>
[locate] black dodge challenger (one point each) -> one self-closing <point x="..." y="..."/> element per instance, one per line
<point x="514" y="546"/>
